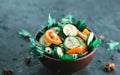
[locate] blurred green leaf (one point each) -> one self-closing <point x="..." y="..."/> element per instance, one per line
<point x="96" y="43"/>
<point x="69" y="57"/>
<point x="113" y="45"/>
<point x="68" y="19"/>
<point x="37" y="48"/>
<point x="24" y="33"/>
<point x="81" y="24"/>
<point x="51" y="21"/>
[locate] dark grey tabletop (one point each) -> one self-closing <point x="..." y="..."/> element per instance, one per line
<point x="103" y="17"/>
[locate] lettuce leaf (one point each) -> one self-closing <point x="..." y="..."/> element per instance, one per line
<point x="51" y="21"/>
<point x="96" y="43"/>
<point x="113" y="45"/>
<point x="81" y="24"/>
<point x="24" y="33"/>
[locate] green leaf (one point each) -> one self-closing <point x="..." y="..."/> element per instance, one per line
<point x="37" y="48"/>
<point x="81" y="55"/>
<point x="113" y="45"/>
<point x="68" y="19"/>
<point x="96" y="43"/>
<point x="51" y="21"/>
<point x="81" y="24"/>
<point x="69" y="57"/>
<point x="24" y="33"/>
<point x="34" y="41"/>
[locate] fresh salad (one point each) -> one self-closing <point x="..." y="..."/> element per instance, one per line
<point x="67" y="39"/>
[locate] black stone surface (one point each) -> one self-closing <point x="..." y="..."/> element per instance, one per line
<point x="103" y="17"/>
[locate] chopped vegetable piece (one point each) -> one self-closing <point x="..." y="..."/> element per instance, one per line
<point x="80" y="41"/>
<point x="57" y="29"/>
<point x="71" y="42"/>
<point x="81" y="55"/>
<point x="81" y="49"/>
<point x="96" y="43"/>
<point x="70" y="29"/>
<point x="51" y="21"/>
<point x="37" y="48"/>
<point x="52" y="37"/>
<point x="69" y="57"/>
<point x="101" y="36"/>
<point x="90" y="38"/>
<point x="43" y="41"/>
<point x="113" y="45"/>
<point x="48" y="50"/>
<point x="68" y="19"/>
<point x="86" y="31"/>
<point x="81" y="35"/>
<point x="24" y="33"/>
<point x="81" y="24"/>
<point x="58" y="52"/>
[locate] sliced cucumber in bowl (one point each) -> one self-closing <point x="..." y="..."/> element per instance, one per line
<point x="58" y="52"/>
<point x="71" y="42"/>
<point x="80" y="41"/>
<point x="48" y="50"/>
<point x="90" y="38"/>
<point x="70" y="30"/>
<point x="43" y="41"/>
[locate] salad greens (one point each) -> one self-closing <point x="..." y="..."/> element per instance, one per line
<point x="65" y="40"/>
<point x="36" y="47"/>
<point x="51" y="21"/>
<point x="81" y="24"/>
<point x="113" y="45"/>
<point x="24" y="33"/>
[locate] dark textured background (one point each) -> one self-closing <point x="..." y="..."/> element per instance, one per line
<point x="103" y="17"/>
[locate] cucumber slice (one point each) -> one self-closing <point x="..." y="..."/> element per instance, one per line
<point x="70" y="29"/>
<point x="43" y="41"/>
<point x="48" y="50"/>
<point x="58" y="52"/>
<point x="90" y="38"/>
<point x="57" y="29"/>
<point x="80" y="41"/>
<point x="71" y="42"/>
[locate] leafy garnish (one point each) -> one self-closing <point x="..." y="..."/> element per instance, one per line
<point x="66" y="20"/>
<point x="69" y="57"/>
<point x="81" y="24"/>
<point x="96" y="43"/>
<point x="113" y="45"/>
<point x="51" y="21"/>
<point x="24" y="33"/>
<point x="37" y="48"/>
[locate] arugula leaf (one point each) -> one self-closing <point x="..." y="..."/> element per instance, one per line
<point x="34" y="41"/>
<point x="51" y="21"/>
<point x="24" y="33"/>
<point x="69" y="57"/>
<point x="37" y="48"/>
<point x="113" y="45"/>
<point x="81" y="24"/>
<point x="66" y="20"/>
<point x="96" y="43"/>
